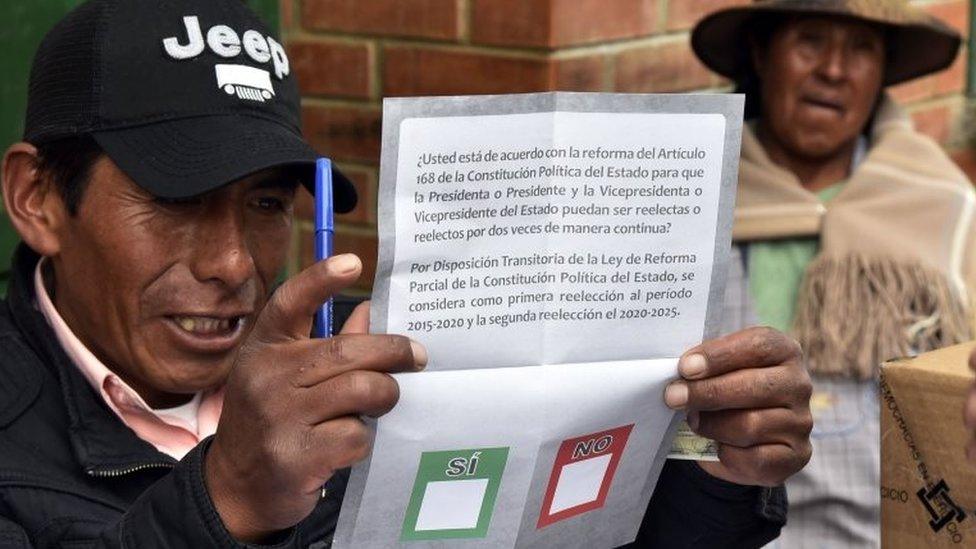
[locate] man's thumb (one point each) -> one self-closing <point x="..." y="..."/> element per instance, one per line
<point x="289" y="312"/>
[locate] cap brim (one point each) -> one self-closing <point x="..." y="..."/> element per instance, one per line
<point x="190" y="156"/>
<point x="918" y="48"/>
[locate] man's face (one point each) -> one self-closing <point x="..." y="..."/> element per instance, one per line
<point x="820" y="80"/>
<point x="164" y="291"/>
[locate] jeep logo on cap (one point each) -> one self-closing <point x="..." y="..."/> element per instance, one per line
<point x="242" y="80"/>
<point x="245" y="82"/>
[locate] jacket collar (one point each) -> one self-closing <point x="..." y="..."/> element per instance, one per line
<point x="102" y="444"/>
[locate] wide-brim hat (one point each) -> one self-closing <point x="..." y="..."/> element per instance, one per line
<point x="919" y="43"/>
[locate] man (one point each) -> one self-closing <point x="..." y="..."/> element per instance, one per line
<point x="153" y="192"/>
<point x="858" y="230"/>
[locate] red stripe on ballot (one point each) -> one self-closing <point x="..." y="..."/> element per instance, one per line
<point x="582" y="474"/>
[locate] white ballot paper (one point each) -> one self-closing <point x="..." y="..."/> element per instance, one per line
<point x="555" y="253"/>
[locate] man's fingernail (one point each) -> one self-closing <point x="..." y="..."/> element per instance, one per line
<point x="345" y="263"/>
<point x="692" y="366"/>
<point x="419" y="354"/>
<point x="676" y="395"/>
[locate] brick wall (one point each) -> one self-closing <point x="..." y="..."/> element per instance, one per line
<point x="349" y="54"/>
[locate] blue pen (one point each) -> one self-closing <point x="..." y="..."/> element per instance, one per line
<point x="324" y="229"/>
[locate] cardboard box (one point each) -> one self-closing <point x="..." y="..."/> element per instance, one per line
<point x="928" y="489"/>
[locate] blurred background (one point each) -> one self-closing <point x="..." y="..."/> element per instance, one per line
<point x="349" y="54"/>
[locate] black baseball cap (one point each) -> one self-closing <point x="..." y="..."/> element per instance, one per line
<point x="185" y="96"/>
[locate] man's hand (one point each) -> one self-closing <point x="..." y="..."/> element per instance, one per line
<point x="750" y="393"/>
<point x="969" y="415"/>
<point x="292" y="406"/>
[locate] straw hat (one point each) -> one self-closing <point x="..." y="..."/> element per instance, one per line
<point x="919" y="43"/>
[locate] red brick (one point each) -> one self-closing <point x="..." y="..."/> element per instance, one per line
<point x="344" y="133"/>
<point x="436" y="19"/>
<point x="287" y="11"/>
<point x="289" y="14"/>
<point x="586" y="21"/>
<point x="365" y="211"/>
<point x="913" y="90"/>
<point x="365" y="183"/>
<point x="511" y="22"/>
<point x="421" y="71"/>
<point x="935" y="121"/>
<point x="557" y="23"/>
<point x="363" y="245"/>
<point x="684" y="14"/>
<point x="331" y="68"/>
<point x="578" y="74"/>
<point x="954" y="12"/>
<point x="662" y="68"/>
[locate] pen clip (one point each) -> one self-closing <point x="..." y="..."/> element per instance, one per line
<point x="324" y="202"/>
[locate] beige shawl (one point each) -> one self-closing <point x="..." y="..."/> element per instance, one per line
<point x="897" y="265"/>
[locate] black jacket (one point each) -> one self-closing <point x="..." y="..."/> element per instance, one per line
<point x="73" y="475"/>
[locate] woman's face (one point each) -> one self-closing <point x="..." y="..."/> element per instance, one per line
<point x="820" y="78"/>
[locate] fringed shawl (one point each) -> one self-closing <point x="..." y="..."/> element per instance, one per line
<point x="897" y="266"/>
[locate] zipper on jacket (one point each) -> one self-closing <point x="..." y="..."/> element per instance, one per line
<point x="111" y="473"/>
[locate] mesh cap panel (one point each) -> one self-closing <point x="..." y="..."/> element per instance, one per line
<point x="65" y="76"/>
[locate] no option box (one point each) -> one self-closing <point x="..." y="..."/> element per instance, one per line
<point x="454" y="494"/>
<point x="582" y="474"/>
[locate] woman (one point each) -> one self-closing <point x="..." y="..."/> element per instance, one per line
<point x="857" y="231"/>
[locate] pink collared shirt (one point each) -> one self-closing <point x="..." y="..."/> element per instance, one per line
<point x="168" y="430"/>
